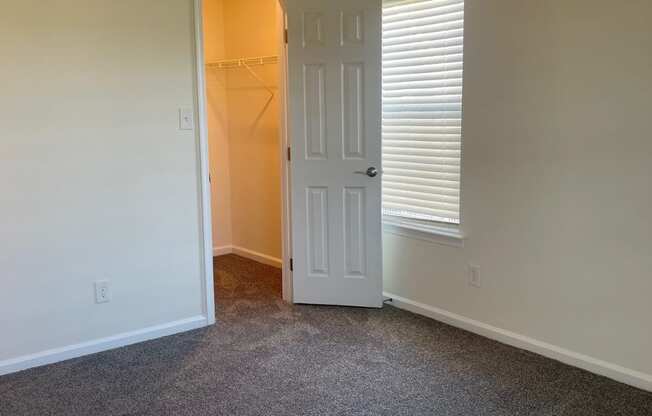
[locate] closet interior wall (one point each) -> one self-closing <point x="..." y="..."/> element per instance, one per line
<point x="243" y="126"/>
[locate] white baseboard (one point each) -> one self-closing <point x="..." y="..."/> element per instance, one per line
<point x="103" y="344"/>
<point x="259" y="257"/>
<point x="250" y="254"/>
<point x="594" y="365"/>
<point x="220" y="251"/>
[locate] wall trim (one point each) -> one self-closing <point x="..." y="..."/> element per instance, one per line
<point x="249" y="254"/>
<point x="222" y="250"/>
<point x="286" y="217"/>
<point x="102" y="344"/>
<point x="259" y="257"/>
<point x="434" y="233"/>
<point x="594" y="365"/>
<point x="201" y="131"/>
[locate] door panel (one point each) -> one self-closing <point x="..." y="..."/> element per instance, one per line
<point x="334" y="52"/>
<point x="314" y="90"/>
<point x="317" y="233"/>
<point x="353" y="137"/>
<point x="355" y="239"/>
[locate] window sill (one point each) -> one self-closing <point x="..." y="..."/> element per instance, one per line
<point x="439" y="234"/>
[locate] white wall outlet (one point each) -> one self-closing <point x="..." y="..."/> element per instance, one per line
<point x="474" y="276"/>
<point x="186" y="119"/>
<point x="102" y="291"/>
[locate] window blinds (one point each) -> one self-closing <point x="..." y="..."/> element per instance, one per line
<point x="422" y="108"/>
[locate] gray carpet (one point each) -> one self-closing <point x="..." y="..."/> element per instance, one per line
<point x="265" y="357"/>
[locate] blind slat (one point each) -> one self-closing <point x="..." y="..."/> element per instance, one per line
<point x="424" y="189"/>
<point x="425" y="11"/>
<point x="418" y="40"/>
<point x="417" y="174"/>
<point x="421" y="166"/>
<point x="390" y="6"/>
<point x="410" y="180"/>
<point x="403" y="33"/>
<point x="421" y="204"/>
<point x="392" y="80"/>
<point x="445" y="82"/>
<point x="423" y="44"/>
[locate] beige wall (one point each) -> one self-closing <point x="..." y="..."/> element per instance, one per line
<point x="97" y="182"/>
<point x="218" y="124"/>
<point x="252" y="130"/>
<point x="556" y="194"/>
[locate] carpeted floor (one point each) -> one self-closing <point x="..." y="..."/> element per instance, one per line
<point x="265" y="357"/>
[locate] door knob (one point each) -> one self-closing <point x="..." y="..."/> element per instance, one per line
<point x="371" y="172"/>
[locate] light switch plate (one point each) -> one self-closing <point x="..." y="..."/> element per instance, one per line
<point x="186" y="119"/>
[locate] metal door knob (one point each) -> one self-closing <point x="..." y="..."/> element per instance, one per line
<point x="371" y="172"/>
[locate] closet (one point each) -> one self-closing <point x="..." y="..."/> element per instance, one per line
<point x="242" y="48"/>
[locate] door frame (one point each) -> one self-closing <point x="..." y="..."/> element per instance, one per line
<point x="206" y="239"/>
<point x="286" y="214"/>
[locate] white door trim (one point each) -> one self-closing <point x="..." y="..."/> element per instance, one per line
<point x="204" y="170"/>
<point x="286" y="219"/>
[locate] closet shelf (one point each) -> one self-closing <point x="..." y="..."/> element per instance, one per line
<point x="240" y="62"/>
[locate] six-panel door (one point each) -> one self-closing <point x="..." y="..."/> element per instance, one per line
<point x="334" y="52"/>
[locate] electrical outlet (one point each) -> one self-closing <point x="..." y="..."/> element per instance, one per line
<point x="474" y="276"/>
<point x="102" y="291"/>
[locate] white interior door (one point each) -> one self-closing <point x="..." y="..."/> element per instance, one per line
<point x="334" y="52"/>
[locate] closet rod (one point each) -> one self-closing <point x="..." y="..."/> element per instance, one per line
<point x="240" y="62"/>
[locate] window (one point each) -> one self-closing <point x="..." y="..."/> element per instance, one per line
<point x="422" y="108"/>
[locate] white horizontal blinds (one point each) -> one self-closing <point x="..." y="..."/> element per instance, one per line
<point x="422" y="108"/>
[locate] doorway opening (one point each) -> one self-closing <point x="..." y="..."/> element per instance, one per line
<point x="327" y="82"/>
<point x="244" y="55"/>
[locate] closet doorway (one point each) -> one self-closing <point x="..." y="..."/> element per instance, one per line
<point x="244" y="53"/>
<point x="315" y="67"/>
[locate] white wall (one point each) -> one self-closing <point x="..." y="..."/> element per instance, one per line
<point x="97" y="182"/>
<point x="556" y="194"/>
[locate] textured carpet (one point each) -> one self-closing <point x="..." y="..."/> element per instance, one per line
<point x="265" y="357"/>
